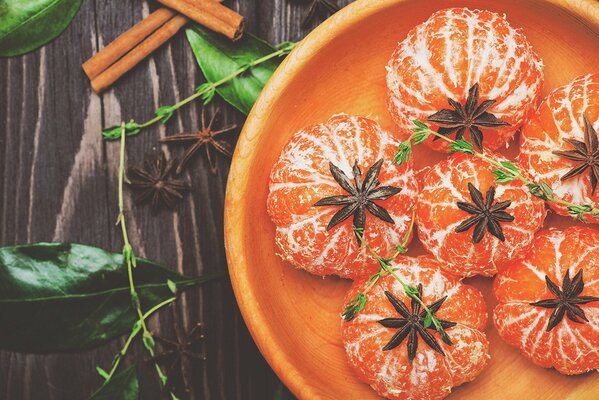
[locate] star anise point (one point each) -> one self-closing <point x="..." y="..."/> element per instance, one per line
<point x="411" y="325"/>
<point x="471" y="117"/>
<point x="205" y="137"/>
<point x="586" y="154"/>
<point x="361" y="196"/>
<point x="154" y="182"/>
<point x="566" y="301"/>
<point x="487" y="214"/>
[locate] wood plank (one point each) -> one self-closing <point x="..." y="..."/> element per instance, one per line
<point x="58" y="181"/>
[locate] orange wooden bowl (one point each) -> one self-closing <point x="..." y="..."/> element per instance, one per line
<point x="340" y="67"/>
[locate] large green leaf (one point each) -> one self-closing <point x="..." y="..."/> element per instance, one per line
<point x="63" y="297"/>
<point x="26" y="25"/>
<point x="122" y="386"/>
<point x="219" y="57"/>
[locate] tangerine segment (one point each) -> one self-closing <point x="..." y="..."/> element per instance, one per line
<point x="431" y="374"/>
<point x="561" y="117"/>
<point x="569" y="347"/>
<point x="301" y="177"/>
<point x="450" y="52"/>
<point x="438" y="216"/>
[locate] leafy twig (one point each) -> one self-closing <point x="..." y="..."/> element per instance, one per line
<point x="505" y="171"/>
<point x="205" y="91"/>
<point x="357" y="304"/>
<point x="129" y="257"/>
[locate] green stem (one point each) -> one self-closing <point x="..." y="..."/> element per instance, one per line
<point x="134" y="332"/>
<point x="206" y="89"/>
<point x="129" y="254"/>
<point x="497" y="164"/>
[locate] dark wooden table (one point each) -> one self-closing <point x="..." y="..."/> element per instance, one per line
<point x="58" y="183"/>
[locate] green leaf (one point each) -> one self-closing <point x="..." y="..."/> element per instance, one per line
<point x="102" y="372"/>
<point x="461" y="146"/>
<point x="114" y="132"/>
<point x="66" y="297"/>
<point x="27" y="25"/>
<point x="172" y="286"/>
<point x="165" y="113"/>
<point x="218" y="58"/>
<point x="541" y="190"/>
<point x="503" y="176"/>
<point x="403" y="153"/>
<point x="122" y="386"/>
<point x="428" y="320"/>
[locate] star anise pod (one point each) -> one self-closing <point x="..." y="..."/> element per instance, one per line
<point x="585" y="153"/>
<point x="154" y="182"/>
<point x="205" y="137"/>
<point x="361" y="196"/>
<point x="567" y="300"/>
<point x="471" y="116"/>
<point x="318" y="7"/>
<point x="411" y="324"/>
<point x="487" y="215"/>
<point x="177" y="355"/>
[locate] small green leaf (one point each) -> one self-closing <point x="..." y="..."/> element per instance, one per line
<point x="420" y="137"/>
<point x="461" y="146"/>
<point x="101" y="372"/>
<point x="403" y="153"/>
<point x="401" y="249"/>
<point x="420" y="124"/>
<point x="510" y="166"/>
<point x="165" y="113"/>
<point x="122" y="386"/>
<point x="541" y="190"/>
<point x="428" y="320"/>
<point x="411" y="291"/>
<point x="172" y="286"/>
<point x="148" y="341"/>
<point x="354" y="306"/>
<point x="114" y="132"/>
<point x="579" y="212"/>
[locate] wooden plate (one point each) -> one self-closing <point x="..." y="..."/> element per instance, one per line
<point x="293" y="316"/>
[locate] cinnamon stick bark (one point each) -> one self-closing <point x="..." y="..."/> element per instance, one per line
<point x="124" y="43"/>
<point x="138" y="53"/>
<point x="211" y="14"/>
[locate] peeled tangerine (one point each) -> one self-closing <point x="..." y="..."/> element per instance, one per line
<point x="548" y="305"/>
<point x="467" y="73"/>
<point x="334" y="186"/>
<point x="471" y="223"/>
<point x="391" y="350"/>
<point x="559" y="144"/>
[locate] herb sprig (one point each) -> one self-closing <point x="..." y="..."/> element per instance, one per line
<point x="504" y="172"/>
<point x="357" y="304"/>
<point x="130" y="259"/>
<point x="205" y="91"/>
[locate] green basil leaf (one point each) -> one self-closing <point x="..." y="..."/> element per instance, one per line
<point x="27" y="25"/>
<point x="65" y="297"/>
<point x="122" y="386"/>
<point x="219" y="57"/>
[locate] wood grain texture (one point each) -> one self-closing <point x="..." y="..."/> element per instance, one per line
<point x="58" y="183"/>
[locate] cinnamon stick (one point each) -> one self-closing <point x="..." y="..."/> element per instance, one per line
<point x="138" y="53"/>
<point x="211" y="14"/>
<point x="124" y="43"/>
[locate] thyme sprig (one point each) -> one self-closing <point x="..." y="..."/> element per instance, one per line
<point x="357" y="304"/>
<point x="504" y="172"/>
<point x="130" y="259"/>
<point x="205" y="91"/>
